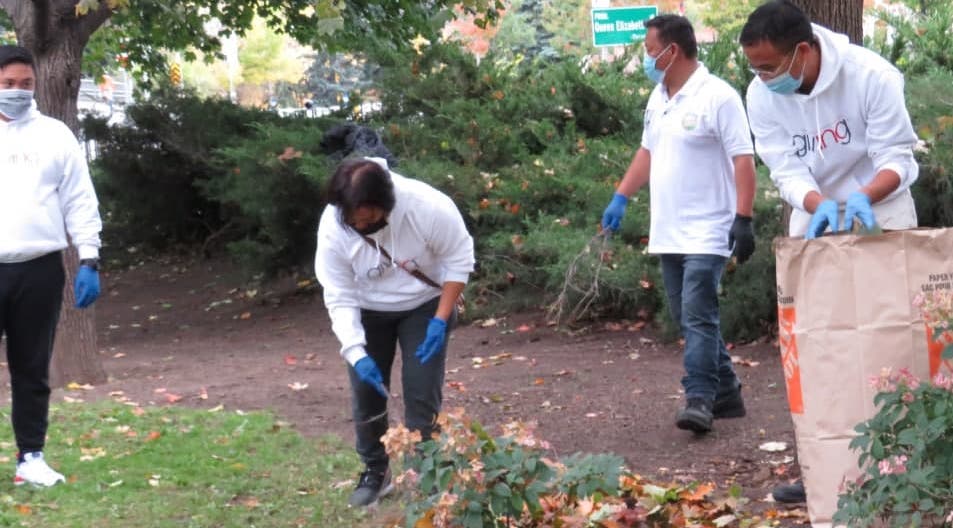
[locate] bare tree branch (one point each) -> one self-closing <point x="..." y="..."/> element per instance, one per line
<point x="90" y="22"/>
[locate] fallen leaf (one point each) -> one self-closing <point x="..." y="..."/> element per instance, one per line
<point x="738" y="360"/>
<point x="153" y="435"/>
<point x="245" y="316"/>
<point x="118" y="355"/>
<point x="488" y="323"/>
<point x="539" y="381"/>
<point x="297" y="386"/>
<point x="172" y="398"/>
<point x="699" y="493"/>
<point x="290" y="359"/>
<point x="563" y="372"/>
<point x="217" y="408"/>
<point x="24" y="509"/>
<point x="203" y="394"/>
<point x="524" y="328"/>
<point x="592" y="415"/>
<point x="773" y="447"/>
<point x="458" y="385"/>
<point x="342" y="484"/>
<point x="76" y="386"/>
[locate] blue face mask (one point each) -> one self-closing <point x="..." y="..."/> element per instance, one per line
<point x="648" y="66"/>
<point x="786" y="84"/>
<point x="15" y="103"/>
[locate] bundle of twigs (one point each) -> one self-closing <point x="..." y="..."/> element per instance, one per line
<point x="581" y="284"/>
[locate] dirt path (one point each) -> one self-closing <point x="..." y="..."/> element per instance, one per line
<point x="190" y="329"/>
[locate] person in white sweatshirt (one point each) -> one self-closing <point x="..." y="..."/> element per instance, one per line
<point x="830" y="122"/>
<point x="45" y="193"/>
<point x="393" y="256"/>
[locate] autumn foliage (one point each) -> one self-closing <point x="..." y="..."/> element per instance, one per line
<point x="464" y="477"/>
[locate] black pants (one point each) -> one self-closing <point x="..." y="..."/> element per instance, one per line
<point x="422" y="384"/>
<point x="31" y="294"/>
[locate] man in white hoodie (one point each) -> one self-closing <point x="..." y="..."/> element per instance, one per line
<point x="45" y="193"/>
<point x="393" y="257"/>
<point x="830" y="122"/>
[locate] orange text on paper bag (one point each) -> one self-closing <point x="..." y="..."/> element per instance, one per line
<point x="935" y="349"/>
<point x="789" y="360"/>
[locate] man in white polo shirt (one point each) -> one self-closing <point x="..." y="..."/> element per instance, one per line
<point x="696" y="151"/>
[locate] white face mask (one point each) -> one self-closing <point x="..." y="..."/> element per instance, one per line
<point x="15" y="103"/>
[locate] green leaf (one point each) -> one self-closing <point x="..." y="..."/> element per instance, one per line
<point x="948" y="351"/>
<point x="502" y="490"/>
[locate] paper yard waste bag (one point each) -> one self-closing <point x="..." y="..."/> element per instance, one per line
<point x="845" y="312"/>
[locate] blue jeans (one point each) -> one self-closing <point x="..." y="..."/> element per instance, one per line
<point x="691" y="284"/>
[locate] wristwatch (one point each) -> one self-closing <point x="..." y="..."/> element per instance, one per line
<point x="91" y="263"/>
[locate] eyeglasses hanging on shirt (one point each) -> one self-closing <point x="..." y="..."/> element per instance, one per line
<point x="378" y="271"/>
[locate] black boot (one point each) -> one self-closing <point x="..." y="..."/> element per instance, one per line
<point x="790" y="493"/>
<point x="729" y="405"/>
<point x="696" y="416"/>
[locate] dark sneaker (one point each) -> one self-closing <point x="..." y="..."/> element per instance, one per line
<point x="790" y="493"/>
<point x="696" y="416"/>
<point x="730" y="405"/>
<point x="372" y="485"/>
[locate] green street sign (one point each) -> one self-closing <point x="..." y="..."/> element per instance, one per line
<point x="618" y="26"/>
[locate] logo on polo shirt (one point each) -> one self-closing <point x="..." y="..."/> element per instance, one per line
<point x="690" y="121"/>
<point x="836" y="134"/>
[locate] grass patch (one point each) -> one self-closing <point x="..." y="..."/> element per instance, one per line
<point x="175" y="467"/>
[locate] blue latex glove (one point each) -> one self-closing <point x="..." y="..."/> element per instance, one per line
<point x="612" y="218"/>
<point x="86" y="288"/>
<point x="825" y="215"/>
<point x="368" y="372"/>
<point x="858" y="205"/>
<point x="433" y="342"/>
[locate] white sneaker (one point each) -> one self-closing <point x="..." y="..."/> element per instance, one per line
<point x="34" y="470"/>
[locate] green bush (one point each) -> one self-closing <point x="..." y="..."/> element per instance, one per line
<point x="929" y="99"/>
<point x="270" y="187"/>
<point x="530" y="152"/>
<point x="148" y="174"/>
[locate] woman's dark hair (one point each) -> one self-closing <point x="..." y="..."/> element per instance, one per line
<point x="360" y="183"/>
<point x="677" y="29"/>
<point x="779" y="22"/>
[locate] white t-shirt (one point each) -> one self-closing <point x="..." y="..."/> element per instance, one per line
<point x="692" y="138"/>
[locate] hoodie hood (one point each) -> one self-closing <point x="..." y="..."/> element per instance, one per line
<point x="833" y="50"/>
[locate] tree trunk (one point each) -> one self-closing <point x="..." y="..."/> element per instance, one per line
<point x="842" y="16"/>
<point x="57" y="37"/>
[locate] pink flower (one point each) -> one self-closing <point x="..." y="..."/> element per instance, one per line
<point x="895" y="465"/>
<point x="884" y="467"/>
<point x="908" y="397"/>
<point x="943" y="381"/>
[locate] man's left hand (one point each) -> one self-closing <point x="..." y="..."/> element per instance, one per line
<point x="86" y="288"/>
<point x="741" y="238"/>
<point x="858" y="205"/>
<point x="433" y="343"/>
